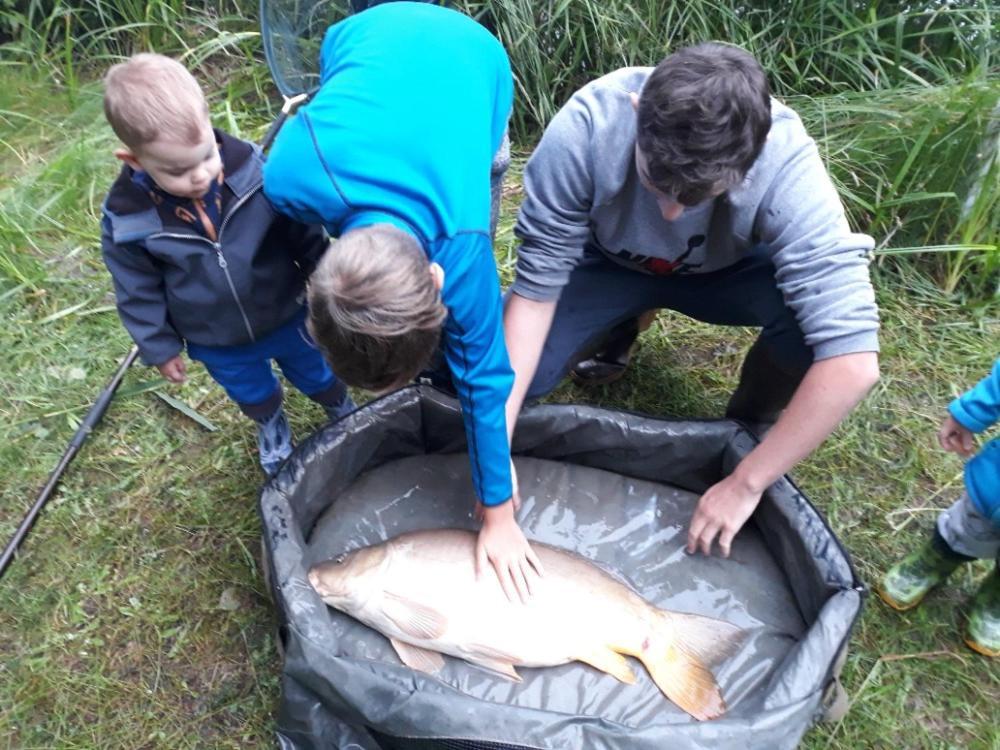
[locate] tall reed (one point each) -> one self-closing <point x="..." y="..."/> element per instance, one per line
<point x="902" y="95"/>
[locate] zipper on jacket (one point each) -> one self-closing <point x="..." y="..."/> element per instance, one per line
<point x="217" y="246"/>
<point x="232" y="287"/>
<point x="222" y="258"/>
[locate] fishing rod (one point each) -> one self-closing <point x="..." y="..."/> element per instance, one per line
<point x="82" y="433"/>
<point x="104" y="399"/>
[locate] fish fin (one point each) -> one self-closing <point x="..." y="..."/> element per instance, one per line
<point x="496" y="665"/>
<point x="611" y="662"/>
<point x="710" y="640"/>
<point x="677" y="652"/>
<point x="415" y="657"/>
<point x="492" y="659"/>
<point x="687" y="682"/>
<point x="415" y="619"/>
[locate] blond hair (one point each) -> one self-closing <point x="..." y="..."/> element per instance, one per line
<point x="374" y="308"/>
<point x="151" y="95"/>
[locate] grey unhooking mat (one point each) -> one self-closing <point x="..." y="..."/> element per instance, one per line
<point x="615" y="487"/>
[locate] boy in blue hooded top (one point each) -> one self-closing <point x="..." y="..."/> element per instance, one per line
<point x="393" y="155"/>
<point x="970" y="528"/>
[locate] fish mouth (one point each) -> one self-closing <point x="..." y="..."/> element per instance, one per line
<point x="315" y="580"/>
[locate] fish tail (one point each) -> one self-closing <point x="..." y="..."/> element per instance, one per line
<point x="677" y="651"/>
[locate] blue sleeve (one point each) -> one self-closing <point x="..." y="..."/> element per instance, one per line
<point x="296" y="180"/>
<point x="141" y="299"/>
<point x="477" y="356"/>
<point x="979" y="408"/>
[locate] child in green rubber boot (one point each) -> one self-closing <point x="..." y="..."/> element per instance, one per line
<point x="970" y="528"/>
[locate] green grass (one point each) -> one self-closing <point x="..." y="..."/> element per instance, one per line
<point x="905" y="97"/>
<point x="808" y="47"/>
<point x="136" y="615"/>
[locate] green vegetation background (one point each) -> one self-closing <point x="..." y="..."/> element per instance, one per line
<point x="136" y="616"/>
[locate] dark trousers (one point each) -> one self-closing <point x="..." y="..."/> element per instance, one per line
<point x="602" y="295"/>
<point x="246" y="374"/>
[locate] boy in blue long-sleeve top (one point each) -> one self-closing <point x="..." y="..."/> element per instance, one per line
<point x="199" y="258"/>
<point x="393" y="155"/>
<point x="970" y="528"/>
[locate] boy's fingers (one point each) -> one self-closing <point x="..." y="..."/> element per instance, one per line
<point x="505" y="582"/>
<point x="697" y="524"/>
<point x="481" y="560"/>
<point x="535" y="562"/>
<point x="967" y="442"/>
<point x="517" y="575"/>
<point x="528" y="574"/>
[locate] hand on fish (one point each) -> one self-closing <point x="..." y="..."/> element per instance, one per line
<point x="502" y="544"/>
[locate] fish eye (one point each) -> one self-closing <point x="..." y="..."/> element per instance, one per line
<point x="340" y="558"/>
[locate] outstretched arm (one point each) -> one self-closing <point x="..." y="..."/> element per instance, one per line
<point x="821" y="268"/>
<point x="501" y="541"/>
<point x="830" y="389"/>
<point x="526" y="325"/>
<point x="477" y="358"/>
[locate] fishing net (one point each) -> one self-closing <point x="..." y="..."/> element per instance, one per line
<point x="292" y="32"/>
<point x="618" y="488"/>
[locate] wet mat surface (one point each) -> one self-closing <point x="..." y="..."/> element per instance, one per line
<point x="634" y="529"/>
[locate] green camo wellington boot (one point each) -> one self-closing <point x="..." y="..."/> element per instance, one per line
<point x="905" y="583"/>
<point x="983" y="633"/>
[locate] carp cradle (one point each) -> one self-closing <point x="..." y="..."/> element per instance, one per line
<point x="616" y="487"/>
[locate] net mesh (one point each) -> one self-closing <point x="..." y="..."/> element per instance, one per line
<point x="292" y="32"/>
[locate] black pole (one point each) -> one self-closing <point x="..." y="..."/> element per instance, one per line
<point x="101" y="405"/>
<point x="291" y="104"/>
<point x="90" y="421"/>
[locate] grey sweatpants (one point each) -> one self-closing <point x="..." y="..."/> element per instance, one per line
<point x="967" y="531"/>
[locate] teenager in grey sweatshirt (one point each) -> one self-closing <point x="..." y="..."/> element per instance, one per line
<point x="687" y="187"/>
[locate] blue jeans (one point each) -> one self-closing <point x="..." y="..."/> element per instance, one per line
<point x="245" y="371"/>
<point x="601" y="294"/>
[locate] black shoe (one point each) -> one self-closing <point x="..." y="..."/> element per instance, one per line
<point x="610" y="363"/>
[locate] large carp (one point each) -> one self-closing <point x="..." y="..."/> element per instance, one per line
<point x="421" y="591"/>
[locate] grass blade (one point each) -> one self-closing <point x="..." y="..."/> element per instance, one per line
<point x="187" y="411"/>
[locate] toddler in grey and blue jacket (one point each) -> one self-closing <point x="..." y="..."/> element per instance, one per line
<point x="970" y="528"/>
<point x="198" y="257"/>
